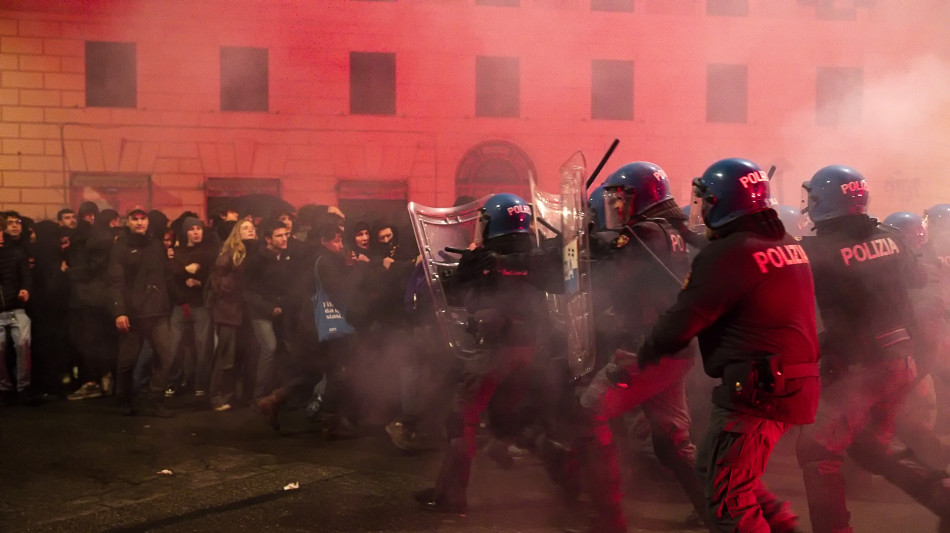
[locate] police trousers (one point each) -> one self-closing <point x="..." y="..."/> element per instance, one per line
<point x="480" y="382"/>
<point x="731" y="461"/>
<point x="660" y="391"/>
<point x="856" y="411"/>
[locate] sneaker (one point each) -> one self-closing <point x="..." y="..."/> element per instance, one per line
<point x="170" y="392"/>
<point x="223" y="407"/>
<point x="88" y="390"/>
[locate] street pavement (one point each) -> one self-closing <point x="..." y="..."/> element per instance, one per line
<point x="79" y="466"/>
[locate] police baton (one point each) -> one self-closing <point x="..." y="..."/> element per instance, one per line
<point x="600" y="165"/>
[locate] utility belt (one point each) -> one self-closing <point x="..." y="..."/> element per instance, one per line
<point x="756" y="383"/>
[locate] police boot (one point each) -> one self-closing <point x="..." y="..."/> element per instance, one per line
<point x="826" y="499"/>
<point x="449" y="493"/>
<point x="603" y="468"/>
<point x="684" y="470"/>
<point x="929" y="487"/>
<point x="561" y="465"/>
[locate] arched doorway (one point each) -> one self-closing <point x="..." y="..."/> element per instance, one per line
<point x="494" y="167"/>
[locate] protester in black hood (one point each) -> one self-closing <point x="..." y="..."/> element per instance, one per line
<point x="92" y="333"/>
<point x="45" y="307"/>
<point x="89" y="211"/>
<point x="109" y="218"/>
<point x="157" y="224"/>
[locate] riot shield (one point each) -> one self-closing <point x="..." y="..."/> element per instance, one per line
<point x="566" y="214"/>
<point x="439" y="230"/>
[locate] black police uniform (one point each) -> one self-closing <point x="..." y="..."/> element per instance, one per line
<point x="749" y="299"/>
<point x="643" y="272"/>
<point x="862" y="274"/>
<point x="502" y="284"/>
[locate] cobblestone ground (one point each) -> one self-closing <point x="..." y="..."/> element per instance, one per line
<point x="80" y="467"/>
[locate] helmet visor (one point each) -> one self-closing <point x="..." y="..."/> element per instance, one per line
<point x="696" y="222"/>
<point x="805" y="223"/>
<point x="617" y="207"/>
<point x="481" y="225"/>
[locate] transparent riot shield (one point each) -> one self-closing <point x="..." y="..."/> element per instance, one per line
<point x="566" y="214"/>
<point x="442" y="233"/>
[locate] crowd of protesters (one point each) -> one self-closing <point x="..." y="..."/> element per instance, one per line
<point x="144" y="308"/>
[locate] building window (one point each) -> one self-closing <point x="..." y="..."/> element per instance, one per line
<point x="726" y="93"/>
<point x="504" y="3"/>
<point x="497" y="86"/>
<point x="727" y="8"/>
<point x="372" y="83"/>
<point x="838" y="95"/>
<point x="611" y="95"/>
<point x="243" y="79"/>
<point x="110" y="74"/>
<point x="611" y="5"/>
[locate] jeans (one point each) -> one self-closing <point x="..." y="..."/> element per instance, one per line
<point x="267" y="339"/>
<point x="197" y="372"/>
<point x="18" y="324"/>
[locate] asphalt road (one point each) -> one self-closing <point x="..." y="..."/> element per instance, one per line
<point x="80" y="467"/>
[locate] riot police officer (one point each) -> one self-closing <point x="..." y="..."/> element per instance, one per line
<point x="917" y="418"/>
<point x="749" y="299"/>
<point x="644" y="260"/>
<point x="501" y="283"/>
<point x="862" y="273"/>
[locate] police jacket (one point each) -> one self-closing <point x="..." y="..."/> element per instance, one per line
<point x="505" y="280"/>
<point x="643" y="275"/>
<point x="750" y="300"/>
<point x="138" y="277"/>
<point x="862" y="275"/>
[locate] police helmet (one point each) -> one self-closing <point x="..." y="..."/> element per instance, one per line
<point x="938" y="218"/>
<point x="910" y="226"/>
<point x="731" y="188"/>
<point x="596" y="204"/>
<point x="505" y="214"/>
<point x="835" y="191"/>
<point x="644" y="183"/>
<point x="790" y="217"/>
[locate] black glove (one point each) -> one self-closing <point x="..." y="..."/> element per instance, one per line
<point x="476" y="263"/>
<point x="647" y="354"/>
